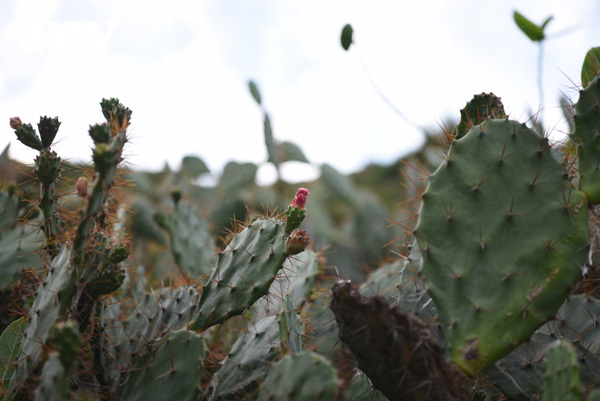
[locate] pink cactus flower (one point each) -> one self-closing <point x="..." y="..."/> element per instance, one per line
<point x="299" y="200"/>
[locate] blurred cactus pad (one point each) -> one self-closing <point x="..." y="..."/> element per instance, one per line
<point x="466" y="270"/>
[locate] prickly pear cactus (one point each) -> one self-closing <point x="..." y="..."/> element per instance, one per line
<point x="307" y="376"/>
<point x="191" y="242"/>
<point x="244" y="272"/>
<point x="173" y="374"/>
<point x="52" y="300"/>
<point x="587" y="125"/>
<point x="504" y="235"/>
<point x="249" y="358"/>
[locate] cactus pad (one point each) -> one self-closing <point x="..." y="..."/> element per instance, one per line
<point x="504" y="236"/>
<point x="249" y="358"/>
<point x="51" y="301"/>
<point x="562" y="375"/>
<point x="587" y="126"/>
<point x="244" y="272"/>
<point x="307" y="376"/>
<point x="173" y="374"/>
<point x="191" y="242"/>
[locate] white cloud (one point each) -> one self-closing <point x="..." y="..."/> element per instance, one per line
<point x="183" y="69"/>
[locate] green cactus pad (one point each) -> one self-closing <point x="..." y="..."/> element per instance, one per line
<point x="577" y="321"/>
<point x="249" y="358"/>
<point x="54" y="383"/>
<point x="361" y="389"/>
<point x="291" y="328"/>
<point x="191" y="241"/>
<point x="155" y="314"/>
<point x="244" y="272"/>
<point x="297" y="281"/>
<point x="591" y="66"/>
<point x="504" y="237"/>
<point x="18" y="248"/>
<point x="51" y="301"/>
<point x="307" y="376"/>
<point x="562" y="375"/>
<point x="173" y="374"/>
<point x="587" y="126"/>
<point x="520" y="374"/>
<point x="64" y="338"/>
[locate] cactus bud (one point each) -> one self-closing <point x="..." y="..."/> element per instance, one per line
<point x="296" y="242"/>
<point x="15" y="123"/>
<point x="99" y="133"/>
<point x="82" y="187"/>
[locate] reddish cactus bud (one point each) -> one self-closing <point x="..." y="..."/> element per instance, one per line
<point x="299" y="200"/>
<point x="296" y="242"/>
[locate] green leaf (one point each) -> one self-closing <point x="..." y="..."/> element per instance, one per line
<point x="546" y="22"/>
<point x="591" y="66"/>
<point x="254" y="91"/>
<point x="346" y="38"/>
<point x="533" y="31"/>
<point x="288" y="151"/>
<point x="10" y="343"/>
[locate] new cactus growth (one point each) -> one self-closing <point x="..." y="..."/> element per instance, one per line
<point x="562" y="375"/>
<point x="485" y="106"/>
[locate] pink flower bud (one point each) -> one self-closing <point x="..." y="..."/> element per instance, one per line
<point x="299" y="200"/>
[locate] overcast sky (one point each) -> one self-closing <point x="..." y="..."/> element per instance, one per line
<point x="183" y="67"/>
